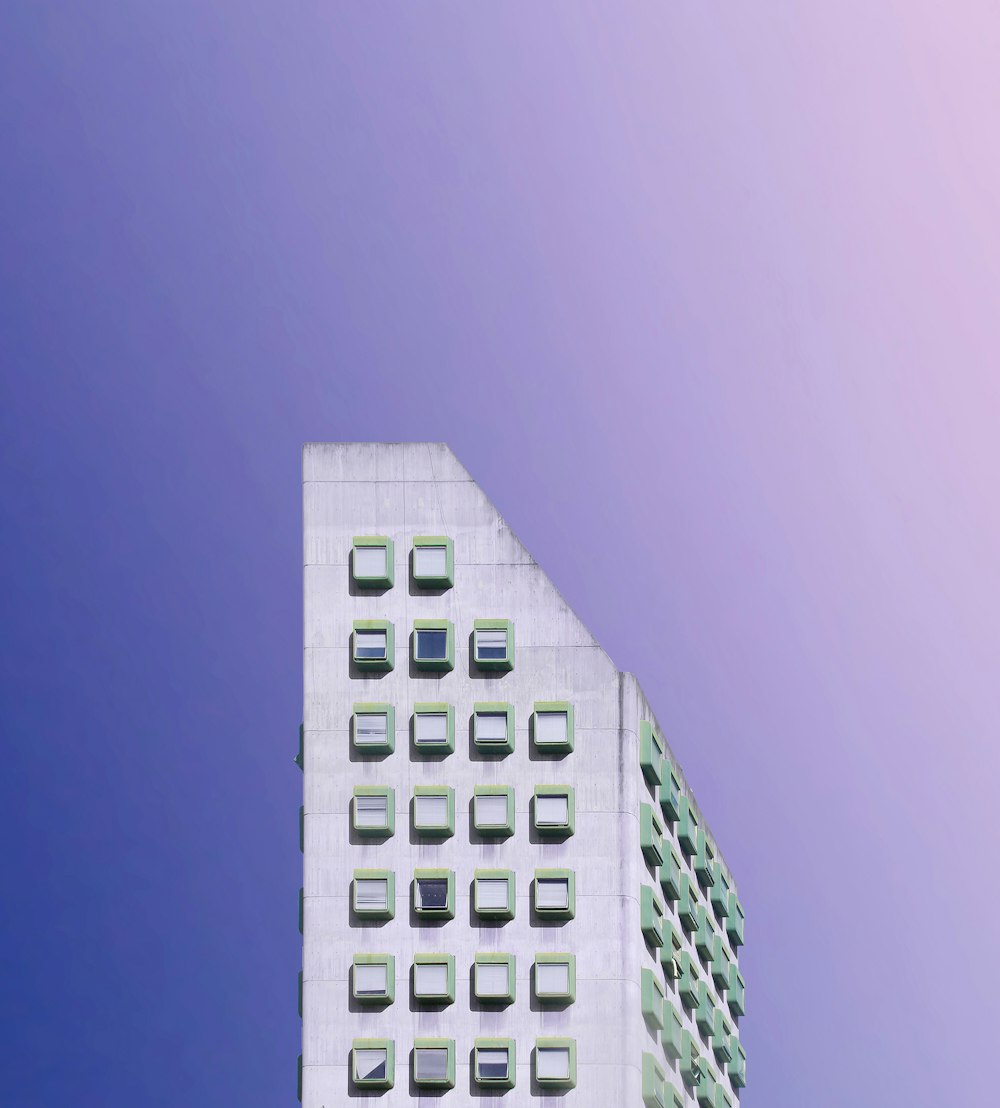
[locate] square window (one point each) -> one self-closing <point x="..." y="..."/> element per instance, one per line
<point x="433" y="644"/>
<point x="555" y="1062"/>
<point x="494" y="1062"/>
<point x="430" y="561"/>
<point x="371" y="562"/>
<point x="491" y="811"/>
<point x="551" y="727"/>
<point x="433" y="728"/>
<point x="434" y="810"/>
<point x="371" y="981"/>
<point x="552" y="893"/>
<point x="430" y="980"/>
<point x="493" y="980"/>
<point x="434" y="893"/>
<point x="554" y="810"/>
<point x="431" y="811"/>
<point x="373" y="1062"/>
<point x="493" y="644"/>
<point x="433" y="561"/>
<point x="651" y="753"/>
<point x="371" y="729"/>
<point x="433" y="1062"/>
<point x="372" y="810"/>
<point x="493" y="893"/>
<point x="373" y="893"/>
<point x="493" y="728"/>
<point x="370" y="645"/>
<point x="555" y="977"/>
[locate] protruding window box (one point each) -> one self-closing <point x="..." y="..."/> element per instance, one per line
<point x="688" y="904"/>
<point x="652" y="998"/>
<point x="734" y="922"/>
<point x="653" y="1082"/>
<point x="373" y="893"/>
<point x="555" y="1063"/>
<point x="670" y="875"/>
<point x="433" y="1064"/>
<point x="373" y="811"/>
<point x="670" y="952"/>
<point x="373" y="1063"/>
<point x="674" y="1097"/>
<point x="372" y="644"/>
<point x="704" y="861"/>
<point x="704" y="1016"/>
<point x="705" y="1090"/>
<point x="433" y="811"/>
<point x="651" y="916"/>
<point x="493" y="644"/>
<point x="494" y="979"/>
<point x="704" y="939"/>
<point x="372" y="562"/>
<point x="650" y="834"/>
<point x="552" y="727"/>
<point x="692" y="1064"/>
<point x="434" y="893"/>
<point x="738" y="1066"/>
<point x="433" y="728"/>
<point x="494" y="1063"/>
<point x="720" y="965"/>
<point x="433" y="644"/>
<point x="553" y="893"/>
<point x="670" y="793"/>
<point x="493" y="728"/>
<point x="736" y="997"/>
<point x="690" y="980"/>
<point x="434" y="978"/>
<point x="723" y="1099"/>
<point x="373" y="979"/>
<point x="687" y="828"/>
<point x="554" y="811"/>
<point x="373" y="730"/>
<point x="433" y="562"/>
<point x="555" y="979"/>
<point x="721" y="1038"/>
<point x="493" y="811"/>
<point x="672" y="1035"/>
<point x="650" y="753"/>
<point x="493" y="894"/>
<point x="720" y="892"/>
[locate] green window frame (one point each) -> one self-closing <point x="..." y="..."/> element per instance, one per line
<point x="546" y="1048"/>
<point x="688" y="903"/>
<point x="670" y="874"/>
<point x="737" y="1069"/>
<point x="444" y="1080"/>
<point x="653" y="1081"/>
<point x="705" y="1089"/>
<point x="704" y="1014"/>
<point x="433" y="576"/>
<point x="704" y="939"/>
<point x="670" y="952"/>
<point x="481" y="904"/>
<point x="361" y="815"/>
<point x="544" y="992"/>
<point x="481" y="1051"/>
<point x="720" y="892"/>
<point x="670" y="793"/>
<point x="364" y="907"/>
<point x="722" y="1098"/>
<point x="704" y="860"/>
<point x="547" y="900"/>
<point x="720" y="964"/>
<point x="687" y="829"/>
<point x="736" y="994"/>
<point x="650" y="834"/>
<point x="428" y="829"/>
<point x="485" y="733"/>
<point x="364" y="995"/>
<point x="543" y="815"/>
<point x="690" y="980"/>
<point x="484" y="980"/>
<point x="652" y="998"/>
<point x="735" y="921"/>
<point x="419" y="981"/>
<point x="362" y="627"/>
<point x="363" y="576"/>
<point x="545" y="729"/>
<point x="672" y="1035"/>
<point x="651" y="752"/>
<point x="675" y="1098"/>
<point x="722" y="1035"/>
<point x="651" y="916"/>
<point x="382" y="1081"/>
<point x="430" y="737"/>
<point x="482" y="659"/>
<point x="435" y="661"/>
<point x="361" y="730"/>
<point x="426" y="885"/>
<point x="482" y="819"/>
<point x="692" y="1064"/>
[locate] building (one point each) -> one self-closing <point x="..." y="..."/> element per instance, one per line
<point x="510" y="894"/>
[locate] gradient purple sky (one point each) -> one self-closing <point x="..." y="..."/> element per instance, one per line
<point x="710" y="291"/>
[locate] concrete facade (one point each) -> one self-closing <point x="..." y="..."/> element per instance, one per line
<point x="407" y="490"/>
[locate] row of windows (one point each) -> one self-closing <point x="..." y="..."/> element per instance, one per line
<point x="432" y="562"/>
<point x="432" y="644"/>
<point x="493" y="1063"/>
<point x="432" y="893"/>
<point x="432" y="811"/>
<point x="491" y="728"/>
<point x="432" y="978"/>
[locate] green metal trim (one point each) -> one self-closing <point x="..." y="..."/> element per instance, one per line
<point x="555" y="874"/>
<point x="389" y="1046"/>
<point x="383" y="581"/>
<point x="688" y="903"/>
<point x="447" y="960"/>
<point x="493" y="708"/>
<point x="495" y="1044"/>
<point x="721" y="1036"/>
<point x="672" y="1035"/>
<point x="704" y="939"/>
<point x="381" y="665"/>
<point x="722" y="1098"/>
<point x="650" y="835"/>
<point x="735" y="921"/>
<point x="446" y="1082"/>
<point x="488" y="959"/>
<point x="448" y="911"/>
<point x="736" y="994"/>
<point x="430" y="581"/>
<point x="504" y="664"/>
<point x="494" y="831"/>
<point x="652" y="998"/>
<point x="670" y="952"/>
<point x="433" y="709"/>
<point x="674" y="1097"/>
<point x="705" y="1089"/>
<point x="549" y="1042"/>
<point x="670" y="874"/>
<point x="561" y="998"/>
<point x="374" y="750"/>
<point x="687" y="829"/>
<point x="720" y="964"/>
<point x="692" y="1064"/>
<point x="430" y="831"/>
<point x="651" y="752"/>
<point x="541" y="707"/>
<point x="670" y="793"/>
<point x="690" y="980"/>
<point x="386" y="960"/>
<point x="437" y="665"/>
<point x="720" y="892"/>
<point x="738" y="1066"/>
<point x="653" y="1080"/>
<point x="504" y="913"/>
<point x="375" y="875"/>
<point x="389" y="828"/>
<point x="704" y="1016"/>
<point x="704" y="861"/>
<point x="651" y="916"/>
<point x="552" y="830"/>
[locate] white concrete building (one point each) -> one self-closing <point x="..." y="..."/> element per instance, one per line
<point x="509" y="894"/>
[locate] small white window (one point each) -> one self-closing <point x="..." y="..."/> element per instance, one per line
<point x="552" y="892"/>
<point x="370" y="561"/>
<point x="491" y="811"/>
<point x="370" y="1065"/>
<point x="430" y="727"/>
<point x="430" y="561"/>
<point x="553" y="1063"/>
<point x="491" y="645"/>
<point x="431" y="811"/>
<point x="432" y="644"/>
<point x="551" y="727"/>
<point x="552" y="811"/>
<point x="492" y="979"/>
<point x="371" y="811"/>
<point x="491" y="893"/>
<point x="371" y="893"/>
<point x="370" y="980"/>
<point x="432" y="892"/>
<point x="430" y="979"/>
<point x="492" y="1062"/>
<point x="370" y="644"/>
<point x="371" y="730"/>
<point x="552" y="977"/>
<point x="430" y="1063"/>
<point x="491" y="727"/>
